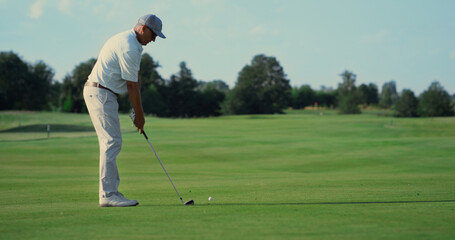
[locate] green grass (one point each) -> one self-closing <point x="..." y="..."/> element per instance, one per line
<point x="296" y="176"/>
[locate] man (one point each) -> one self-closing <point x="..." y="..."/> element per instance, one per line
<point x="116" y="72"/>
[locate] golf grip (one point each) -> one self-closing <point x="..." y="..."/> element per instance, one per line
<point x="145" y="135"/>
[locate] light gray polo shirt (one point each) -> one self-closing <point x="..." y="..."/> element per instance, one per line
<point x="119" y="60"/>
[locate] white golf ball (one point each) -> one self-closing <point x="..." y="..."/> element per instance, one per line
<point x="210" y="198"/>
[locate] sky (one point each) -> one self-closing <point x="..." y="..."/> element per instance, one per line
<point x="409" y="41"/>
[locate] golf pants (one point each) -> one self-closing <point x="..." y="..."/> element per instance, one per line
<point x="102" y="106"/>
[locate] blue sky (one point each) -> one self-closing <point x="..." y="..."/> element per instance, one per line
<point x="409" y="41"/>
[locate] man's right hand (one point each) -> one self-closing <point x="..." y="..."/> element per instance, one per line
<point x="139" y="122"/>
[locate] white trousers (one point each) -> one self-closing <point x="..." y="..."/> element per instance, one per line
<point x="102" y="106"/>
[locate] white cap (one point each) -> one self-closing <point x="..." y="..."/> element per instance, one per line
<point x="152" y="22"/>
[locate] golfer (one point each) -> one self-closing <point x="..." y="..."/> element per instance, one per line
<point x="116" y="72"/>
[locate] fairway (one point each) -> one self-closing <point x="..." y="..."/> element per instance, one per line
<point x="302" y="175"/>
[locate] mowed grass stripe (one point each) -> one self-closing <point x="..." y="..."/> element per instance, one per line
<point x="302" y="175"/>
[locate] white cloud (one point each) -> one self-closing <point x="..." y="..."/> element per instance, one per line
<point x="36" y="10"/>
<point x="377" y="37"/>
<point x="160" y="6"/>
<point x="65" y="6"/>
<point x="204" y="2"/>
<point x="111" y="10"/>
<point x="434" y="51"/>
<point x="260" y="30"/>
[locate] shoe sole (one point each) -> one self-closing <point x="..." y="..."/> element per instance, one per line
<point x="111" y="205"/>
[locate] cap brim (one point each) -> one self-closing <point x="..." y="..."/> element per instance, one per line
<point x="160" y="34"/>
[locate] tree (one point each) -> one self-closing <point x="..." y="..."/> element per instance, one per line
<point x="152" y="101"/>
<point x="72" y="98"/>
<point x="407" y="104"/>
<point x="152" y="89"/>
<point x="372" y="96"/>
<point x="80" y="76"/>
<point x="368" y="94"/>
<point x="181" y="94"/>
<point x="435" y="101"/>
<point x="24" y="86"/>
<point x="13" y="75"/>
<point x="148" y="73"/>
<point x="219" y="85"/>
<point x="303" y="96"/>
<point x="362" y="92"/>
<point x="347" y="94"/>
<point x="389" y="94"/>
<point x="327" y="97"/>
<point x="54" y="96"/>
<point x="209" y="101"/>
<point x="261" y="88"/>
<point x="210" y="97"/>
<point x="39" y="84"/>
<point x="453" y="102"/>
<point x="66" y="99"/>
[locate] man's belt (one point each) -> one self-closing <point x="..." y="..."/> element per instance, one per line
<point x="95" y="84"/>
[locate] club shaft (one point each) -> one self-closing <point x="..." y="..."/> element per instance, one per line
<point x="145" y="135"/>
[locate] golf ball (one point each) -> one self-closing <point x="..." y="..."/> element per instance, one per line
<point x="210" y="198"/>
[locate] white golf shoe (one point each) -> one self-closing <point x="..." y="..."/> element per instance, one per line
<point x="117" y="200"/>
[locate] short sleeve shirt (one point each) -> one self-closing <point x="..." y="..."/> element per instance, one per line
<point x="118" y="62"/>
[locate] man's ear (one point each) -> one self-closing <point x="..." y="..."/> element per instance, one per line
<point x="143" y="28"/>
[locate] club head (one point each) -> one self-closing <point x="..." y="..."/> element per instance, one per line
<point x="189" y="203"/>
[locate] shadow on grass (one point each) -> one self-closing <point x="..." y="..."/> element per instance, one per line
<point x="332" y="203"/>
<point x="307" y="203"/>
<point x="53" y="128"/>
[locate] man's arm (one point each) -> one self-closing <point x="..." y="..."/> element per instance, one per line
<point x="134" y="91"/>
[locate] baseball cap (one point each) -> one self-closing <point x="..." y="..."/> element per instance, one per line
<point x="152" y="22"/>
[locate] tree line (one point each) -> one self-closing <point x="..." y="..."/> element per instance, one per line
<point x="262" y="87"/>
<point x="435" y="101"/>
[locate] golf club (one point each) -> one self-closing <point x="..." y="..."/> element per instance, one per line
<point x="189" y="202"/>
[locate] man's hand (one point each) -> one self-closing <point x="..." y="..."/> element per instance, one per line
<point x="139" y="122"/>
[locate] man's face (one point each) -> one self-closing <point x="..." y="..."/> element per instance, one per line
<point x="149" y="35"/>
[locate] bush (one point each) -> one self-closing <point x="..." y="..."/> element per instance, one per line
<point x="435" y="102"/>
<point x="348" y="99"/>
<point x="407" y="104"/>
